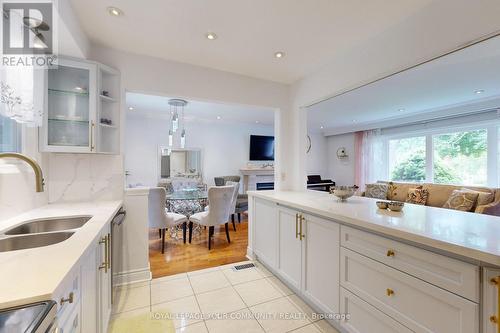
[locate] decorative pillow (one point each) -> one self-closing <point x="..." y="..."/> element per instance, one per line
<point x="461" y="200"/>
<point x="417" y="196"/>
<point x="377" y="190"/>
<point x="483" y="198"/>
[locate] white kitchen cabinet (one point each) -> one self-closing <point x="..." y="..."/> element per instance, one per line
<point x="104" y="280"/>
<point x="265" y="231"/>
<point x="290" y="246"/>
<point x="491" y="300"/>
<point x="81" y="108"/>
<point x="90" y="287"/>
<point x="321" y="253"/>
<point x="96" y="285"/>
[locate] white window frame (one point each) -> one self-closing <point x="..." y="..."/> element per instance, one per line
<point x="493" y="152"/>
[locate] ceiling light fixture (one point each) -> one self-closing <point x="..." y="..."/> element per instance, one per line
<point x="131" y="108"/>
<point x="211" y="36"/>
<point x="219" y="118"/>
<point x="401" y="110"/>
<point x="177" y="107"/>
<point x="321" y="127"/>
<point x="114" y="11"/>
<point x="279" y="55"/>
<point x="354" y="120"/>
<point x="256" y="121"/>
<point x="479" y="91"/>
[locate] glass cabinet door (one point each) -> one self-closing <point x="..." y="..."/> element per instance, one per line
<point x="70" y="111"/>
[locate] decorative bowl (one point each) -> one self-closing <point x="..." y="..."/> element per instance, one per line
<point x="395" y="206"/>
<point x="343" y="192"/>
<point x="382" y="204"/>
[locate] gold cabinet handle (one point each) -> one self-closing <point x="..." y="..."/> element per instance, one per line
<point x="68" y="300"/>
<point x="296" y="225"/>
<point x="104" y="265"/>
<point x="92" y="125"/>
<point x="389" y="292"/>
<point x="109" y="251"/>
<point x="495" y="318"/>
<point x="391" y="253"/>
<point x="301" y="235"/>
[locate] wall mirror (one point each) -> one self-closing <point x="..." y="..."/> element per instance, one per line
<point x="180" y="163"/>
<point x="438" y="122"/>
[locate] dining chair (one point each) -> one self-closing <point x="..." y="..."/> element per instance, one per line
<point x="242" y="202"/>
<point x="160" y="218"/>
<point x="234" y="200"/>
<point x="220" y="200"/>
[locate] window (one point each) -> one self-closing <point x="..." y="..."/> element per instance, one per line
<point x="407" y="159"/>
<point x="461" y="158"/>
<point x="10" y="135"/>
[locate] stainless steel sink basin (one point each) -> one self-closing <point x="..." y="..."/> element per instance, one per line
<point x="49" y="225"/>
<point x="31" y="241"/>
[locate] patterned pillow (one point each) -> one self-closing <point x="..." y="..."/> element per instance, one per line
<point x="377" y="190"/>
<point x="483" y="198"/>
<point x="461" y="200"/>
<point x="417" y="196"/>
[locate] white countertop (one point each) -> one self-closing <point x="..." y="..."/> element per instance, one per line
<point x="32" y="275"/>
<point x="468" y="235"/>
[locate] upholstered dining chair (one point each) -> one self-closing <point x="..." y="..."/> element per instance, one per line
<point x="241" y="202"/>
<point x="160" y="218"/>
<point x="220" y="200"/>
<point x="234" y="200"/>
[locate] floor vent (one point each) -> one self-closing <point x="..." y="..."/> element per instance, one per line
<point x="245" y="266"/>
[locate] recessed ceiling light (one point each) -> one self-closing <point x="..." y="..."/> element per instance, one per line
<point x="354" y="120"/>
<point x="79" y="88"/>
<point x="401" y="110"/>
<point x="131" y="108"/>
<point x="321" y="127"/>
<point x="279" y="54"/>
<point x="211" y="36"/>
<point x="114" y="11"/>
<point x="219" y="118"/>
<point x="479" y="91"/>
<point x="256" y="121"/>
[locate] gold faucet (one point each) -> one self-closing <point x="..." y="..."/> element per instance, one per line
<point x="36" y="167"/>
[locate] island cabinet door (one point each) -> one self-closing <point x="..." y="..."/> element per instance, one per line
<point x="265" y="231"/>
<point x="321" y="253"/>
<point x="491" y="300"/>
<point x="289" y="246"/>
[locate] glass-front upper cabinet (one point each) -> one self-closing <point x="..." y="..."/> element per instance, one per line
<point x="82" y="108"/>
<point x="70" y="108"/>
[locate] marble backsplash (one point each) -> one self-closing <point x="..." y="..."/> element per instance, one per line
<point x="85" y="177"/>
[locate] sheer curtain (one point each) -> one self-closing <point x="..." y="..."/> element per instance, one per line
<point x="371" y="157"/>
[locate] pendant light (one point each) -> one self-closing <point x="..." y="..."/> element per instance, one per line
<point x="177" y="111"/>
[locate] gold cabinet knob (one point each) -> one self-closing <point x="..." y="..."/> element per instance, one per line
<point x="391" y="253"/>
<point x="68" y="300"/>
<point x="494" y="319"/>
<point x="390" y="292"/>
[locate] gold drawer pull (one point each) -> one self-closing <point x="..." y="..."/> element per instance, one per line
<point x="391" y="253"/>
<point x="296" y="225"/>
<point x="390" y="292"/>
<point x="494" y="319"/>
<point x="69" y="299"/>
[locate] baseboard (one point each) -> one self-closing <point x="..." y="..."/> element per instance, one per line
<point x="132" y="276"/>
<point x="250" y="255"/>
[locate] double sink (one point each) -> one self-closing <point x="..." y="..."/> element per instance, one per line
<point x="38" y="233"/>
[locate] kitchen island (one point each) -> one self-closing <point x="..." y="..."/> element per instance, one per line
<point x="424" y="269"/>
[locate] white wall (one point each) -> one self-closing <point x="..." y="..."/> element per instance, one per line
<point x="317" y="158"/>
<point x="224" y="146"/>
<point x="341" y="171"/>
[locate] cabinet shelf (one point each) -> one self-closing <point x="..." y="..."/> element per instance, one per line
<point x="106" y="125"/>
<point x="66" y="120"/>
<point x="68" y="92"/>
<point x="108" y="99"/>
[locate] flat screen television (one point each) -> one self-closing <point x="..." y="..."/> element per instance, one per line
<point x="261" y="148"/>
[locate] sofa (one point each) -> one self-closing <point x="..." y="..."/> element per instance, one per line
<point x="439" y="194"/>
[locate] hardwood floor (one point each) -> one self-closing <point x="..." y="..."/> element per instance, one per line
<point x="181" y="258"/>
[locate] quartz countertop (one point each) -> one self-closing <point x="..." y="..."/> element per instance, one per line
<point x="32" y="275"/>
<point x="471" y="236"/>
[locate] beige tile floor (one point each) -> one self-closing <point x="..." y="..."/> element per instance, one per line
<point x="215" y="300"/>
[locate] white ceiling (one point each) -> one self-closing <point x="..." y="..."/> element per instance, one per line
<point x="445" y="83"/>
<point x="196" y="111"/>
<point x="310" y="32"/>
